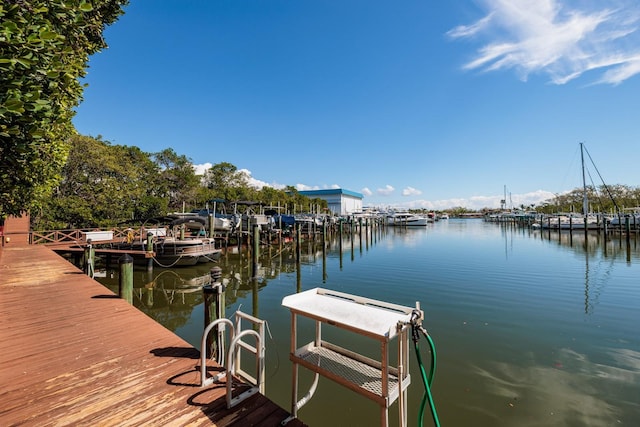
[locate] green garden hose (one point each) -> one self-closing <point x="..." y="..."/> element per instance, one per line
<point x="427" y="381"/>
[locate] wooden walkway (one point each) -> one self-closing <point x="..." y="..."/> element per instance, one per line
<point x="74" y="354"/>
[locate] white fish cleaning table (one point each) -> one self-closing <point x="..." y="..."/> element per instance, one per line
<point x="378" y="320"/>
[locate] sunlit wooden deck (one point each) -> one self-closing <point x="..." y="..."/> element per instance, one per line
<point x="75" y="354"/>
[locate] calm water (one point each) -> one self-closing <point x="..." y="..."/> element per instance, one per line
<point x="531" y="328"/>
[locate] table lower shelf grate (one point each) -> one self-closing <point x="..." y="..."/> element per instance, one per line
<point x="362" y="375"/>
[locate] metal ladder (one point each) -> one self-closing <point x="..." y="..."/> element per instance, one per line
<point x="232" y="362"/>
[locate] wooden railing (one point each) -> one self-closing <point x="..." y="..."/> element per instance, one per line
<point x="55" y="236"/>
<point x="78" y="236"/>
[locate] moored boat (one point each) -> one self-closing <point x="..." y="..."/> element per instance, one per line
<point x="572" y="222"/>
<point x="406" y="219"/>
<point x="174" y="252"/>
<point x="621" y="220"/>
<point x="179" y="243"/>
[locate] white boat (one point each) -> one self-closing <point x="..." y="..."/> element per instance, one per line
<point x="571" y="222"/>
<point x="406" y="219"/>
<point x="621" y="220"/>
<point x="309" y="219"/>
<point x="221" y="220"/>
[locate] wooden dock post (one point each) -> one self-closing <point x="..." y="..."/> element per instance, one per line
<point x="149" y="248"/>
<point x="324" y="256"/>
<point x="298" y="243"/>
<point x="340" y="243"/>
<point x="352" y="235"/>
<point x="212" y="226"/>
<point x="324" y="231"/>
<point x="627" y="229"/>
<point x="213" y="293"/>
<point x="125" y="281"/>
<point x="239" y="235"/>
<point x="255" y="254"/>
<point x="89" y="259"/>
<point x="298" y="258"/>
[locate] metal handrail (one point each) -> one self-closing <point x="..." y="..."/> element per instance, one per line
<point x="204" y="381"/>
<point x="232" y="367"/>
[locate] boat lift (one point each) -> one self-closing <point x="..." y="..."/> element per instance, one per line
<point x="374" y="379"/>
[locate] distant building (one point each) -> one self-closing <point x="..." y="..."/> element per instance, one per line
<point x="339" y="201"/>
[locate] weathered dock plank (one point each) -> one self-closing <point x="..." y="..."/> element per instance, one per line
<point x="75" y="354"/>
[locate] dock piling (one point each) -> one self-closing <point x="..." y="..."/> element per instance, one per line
<point x="213" y="293"/>
<point x="149" y="249"/>
<point x="89" y="259"/>
<point x="125" y="281"/>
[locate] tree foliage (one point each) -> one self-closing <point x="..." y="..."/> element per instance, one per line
<point x="104" y="184"/>
<point x="44" y="49"/>
<point x="226" y="181"/>
<point x="605" y="199"/>
<point x="178" y="180"/>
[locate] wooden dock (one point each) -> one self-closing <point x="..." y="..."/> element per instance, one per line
<point x="73" y="353"/>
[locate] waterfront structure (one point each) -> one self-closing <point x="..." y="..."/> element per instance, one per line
<point x="15" y="230"/>
<point x="339" y="201"/>
<point x="76" y="354"/>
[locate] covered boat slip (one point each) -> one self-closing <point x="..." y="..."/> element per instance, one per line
<point x="75" y="354"/>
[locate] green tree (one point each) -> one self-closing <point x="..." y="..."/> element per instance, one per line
<point x="606" y="198"/>
<point x="178" y="179"/>
<point x="272" y="197"/>
<point x="102" y="185"/>
<point x="226" y="182"/>
<point x="299" y="202"/>
<point x="44" y="49"/>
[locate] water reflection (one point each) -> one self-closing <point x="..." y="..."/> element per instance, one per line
<point x="532" y="327"/>
<point x="598" y="253"/>
<point x="166" y="295"/>
<point x="613" y="245"/>
<point x="170" y="295"/>
<point x="572" y="391"/>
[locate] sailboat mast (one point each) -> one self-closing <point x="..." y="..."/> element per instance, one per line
<point x="504" y="200"/>
<point x="585" y="200"/>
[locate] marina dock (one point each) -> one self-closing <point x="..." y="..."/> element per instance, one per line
<point x="73" y="353"/>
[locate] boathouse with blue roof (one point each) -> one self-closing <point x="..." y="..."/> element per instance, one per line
<point x="339" y="201"/>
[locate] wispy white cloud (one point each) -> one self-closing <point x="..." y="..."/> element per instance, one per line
<point x="410" y="191"/>
<point x="366" y="192"/>
<point x="557" y="39"/>
<point x="386" y="190"/>
<point x="471" y="30"/>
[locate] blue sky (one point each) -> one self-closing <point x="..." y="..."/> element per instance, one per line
<point x="428" y="104"/>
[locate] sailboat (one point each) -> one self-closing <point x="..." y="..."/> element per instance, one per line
<point x="572" y="221"/>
